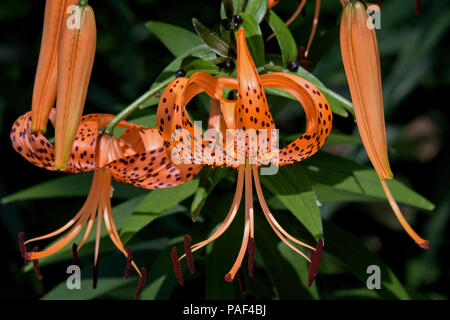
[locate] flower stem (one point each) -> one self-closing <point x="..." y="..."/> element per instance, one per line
<point x="135" y="105"/>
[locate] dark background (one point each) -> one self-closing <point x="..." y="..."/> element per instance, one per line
<point x="415" y="60"/>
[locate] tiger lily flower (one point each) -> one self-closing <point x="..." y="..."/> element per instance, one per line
<point x="45" y="82"/>
<point x="108" y="157"/>
<point x="360" y="56"/>
<point x="75" y="62"/>
<point x="250" y="112"/>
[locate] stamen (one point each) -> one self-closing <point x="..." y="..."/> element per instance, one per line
<point x="303" y="60"/>
<point x="189" y="257"/>
<point x="141" y="283"/>
<point x="177" y="266"/>
<point x="23" y="249"/>
<point x="241" y="281"/>
<point x="230" y="216"/>
<point x="129" y="260"/>
<point x="292" y="18"/>
<point x="37" y="270"/>
<point x="314" y="26"/>
<point x="315" y="262"/>
<point x="75" y="254"/>
<point x="251" y="252"/>
<point x="248" y="211"/>
<point x="95" y="276"/>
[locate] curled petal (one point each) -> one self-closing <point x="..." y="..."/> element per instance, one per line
<point x="318" y="115"/>
<point x="152" y="169"/>
<point x="36" y="148"/>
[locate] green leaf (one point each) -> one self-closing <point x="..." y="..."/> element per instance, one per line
<point x="227" y="9"/>
<point x="333" y="138"/>
<point x="162" y="281"/>
<point x="154" y="204"/>
<point x="61" y="292"/>
<point x="208" y="178"/>
<point x="254" y="38"/>
<point x="284" y="37"/>
<point x="356" y="257"/>
<point x="257" y="9"/>
<point x="176" y="39"/>
<point x="286" y="268"/>
<point x="335" y="178"/>
<point x="212" y="39"/>
<point x="68" y="186"/>
<point x="292" y="187"/>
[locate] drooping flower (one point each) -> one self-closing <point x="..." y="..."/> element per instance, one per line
<point x="75" y="61"/>
<point x="44" y="92"/>
<point x="108" y="157"/>
<point x="360" y="56"/>
<point x="249" y="114"/>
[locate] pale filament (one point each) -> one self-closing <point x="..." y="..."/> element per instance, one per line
<point x="97" y="205"/>
<point x="230" y="216"/>
<point x="273" y="223"/>
<point x="248" y="217"/>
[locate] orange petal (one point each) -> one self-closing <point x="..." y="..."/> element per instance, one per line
<point x="152" y="169"/>
<point x="75" y="61"/>
<point x="318" y="115"/>
<point x="252" y="110"/>
<point x="39" y="151"/>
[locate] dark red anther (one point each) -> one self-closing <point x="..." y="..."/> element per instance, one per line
<point x="315" y="262"/>
<point x="228" y="277"/>
<point x="23" y="249"/>
<point x="177" y="266"/>
<point x="251" y="254"/>
<point x="417" y="6"/>
<point x="141" y="283"/>
<point x="129" y="260"/>
<point x="189" y="257"/>
<point x="425" y="244"/>
<point x="37" y="270"/>
<point x="303" y="61"/>
<point x="75" y="253"/>
<point x="241" y="281"/>
<point x="95" y="276"/>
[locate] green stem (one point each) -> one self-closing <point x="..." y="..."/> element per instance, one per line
<point x="135" y="105"/>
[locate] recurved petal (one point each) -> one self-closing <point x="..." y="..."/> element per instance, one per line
<point x="152" y="169"/>
<point x="36" y="148"/>
<point x="318" y="115"/>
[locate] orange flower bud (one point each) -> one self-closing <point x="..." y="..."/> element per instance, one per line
<point x="75" y="61"/>
<point x="360" y="56"/>
<point x="44" y="92"/>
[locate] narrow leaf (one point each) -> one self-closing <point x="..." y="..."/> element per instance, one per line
<point x="284" y="37"/>
<point x="176" y="39"/>
<point x="212" y="39"/>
